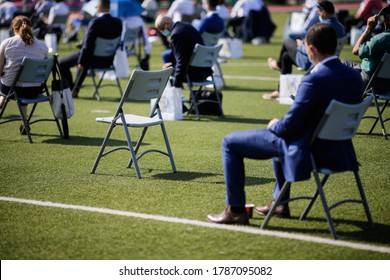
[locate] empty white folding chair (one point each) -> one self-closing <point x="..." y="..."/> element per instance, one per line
<point x="340" y="122"/>
<point x="142" y="86"/>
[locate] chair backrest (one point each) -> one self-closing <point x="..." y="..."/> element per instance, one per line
<point x="382" y="71"/>
<point x="384" y="67"/>
<point x="146" y="85"/>
<point x="60" y="20"/>
<point x="341" y="120"/>
<point x="340" y="44"/>
<point x="34" y="70"/>
<point x="106" y="47"/>
<point x="204" y="56"/>
<point x="211" y="39"/>
<point x="132" y="34"/>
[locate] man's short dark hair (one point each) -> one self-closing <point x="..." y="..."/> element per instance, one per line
<point x="323" y="38"/>
<point x="104" y="4"/>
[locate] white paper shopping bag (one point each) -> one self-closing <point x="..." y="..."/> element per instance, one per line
<point x="171" y="104"/>
<point x="288" y="86"/>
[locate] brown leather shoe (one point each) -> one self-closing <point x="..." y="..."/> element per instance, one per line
<point x="281" y="211"/>
<point x="228" y="217"/>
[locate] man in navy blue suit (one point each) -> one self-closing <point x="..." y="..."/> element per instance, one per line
<point x="212" y="22"/>
<point x="104" y="26"/>
<point x="288" y="138"/>
<point x="183" y="38"/>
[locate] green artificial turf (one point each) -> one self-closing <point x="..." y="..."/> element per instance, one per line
<point x="58" y="170"/>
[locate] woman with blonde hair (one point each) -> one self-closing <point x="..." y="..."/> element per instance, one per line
<point x="12" y="52"/>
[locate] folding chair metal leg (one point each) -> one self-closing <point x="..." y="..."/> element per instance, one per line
<point x="25" y="121"/>
<point x="132" y="152"/>
<point x="218" y="99"/>
<point x="220" y="73"/>
<point x="168" y="148"/>
<point x="96" y="92"/>
<point x="194" y="103"/>
<point x="101" y="151"/>
<point x="323" y="200"/>
<point x="379" y="112"/>
<point x="314" y="198"/>
<point x="364" y="199"/>
<point x="285" y="187"/>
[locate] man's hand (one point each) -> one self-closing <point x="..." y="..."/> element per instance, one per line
<point x="272" y="122"/>
<point x="372" y="22"/>
<point x="80" y="67"/>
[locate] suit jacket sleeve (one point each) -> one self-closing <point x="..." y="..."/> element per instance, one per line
<point x="296" y="120"/>
<point x="89" y="43"/>
<point x="182" y="56"/>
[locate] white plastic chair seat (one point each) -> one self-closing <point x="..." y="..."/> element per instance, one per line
<point x="133" y="120"/>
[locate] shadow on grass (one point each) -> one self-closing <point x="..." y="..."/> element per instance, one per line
<point x="380" y="234"/>
<point x="191" y="176"/>
<point x="86" y="141"/>
<point x="253" y="89"/>
<point x="227" y="118"/>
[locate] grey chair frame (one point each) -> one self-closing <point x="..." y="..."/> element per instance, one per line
<point x="211" y="39"/>
<point x="206" y="57"/>
<point x="32" y="70"/>
<point x="133" y="40"/>
<point x="103" y="48"/>
<point x="142" y="86"/>
<point x="382" y="71"/>
<point x="340" y="122"/>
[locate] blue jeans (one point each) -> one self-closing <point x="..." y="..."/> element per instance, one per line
<point x="253" y="144"/>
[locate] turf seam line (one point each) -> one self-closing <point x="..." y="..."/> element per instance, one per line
<point x="257" y="231"/>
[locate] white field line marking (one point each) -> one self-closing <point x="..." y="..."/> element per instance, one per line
<point x="252" y="78"/>
<point x="257" y="231"/>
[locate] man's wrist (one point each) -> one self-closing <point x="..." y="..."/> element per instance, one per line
<point x="367" y="31"/>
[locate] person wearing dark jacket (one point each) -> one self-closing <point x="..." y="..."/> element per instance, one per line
<point x="104" y="26"/>
<point x="183" y="38"/>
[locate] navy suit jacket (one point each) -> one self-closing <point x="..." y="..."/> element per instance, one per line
<point x="212" y="24"/>
<point x="106" y="27"/>
<point x="184" y="37"/>
<point x="332" y="80"/>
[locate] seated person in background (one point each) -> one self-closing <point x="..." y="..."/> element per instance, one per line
<point x="181" y="10"/>
<point x="104" y="26"/>
<point x="82" y="19"/>
<point x="310" y="11"/>
<point x="371" y="49"/>
<point x="366" y="9"/>
<point x="7" y="11"/>
<point x="183" y="38"/>
<point x="223" y="11"/>
<point x="40" y="11"/>
<point x="151" y="8"/>
<point x="134" y="22"/>
<point x="239" y="11"/>
<point x="212" y="22"/>
<point x="289" y="138"/>
<point x="293" y="52"/>
<point x="59" y="8"/>
<point x="12" y="51"/>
